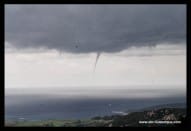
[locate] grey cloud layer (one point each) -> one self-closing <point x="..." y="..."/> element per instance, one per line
<point x="93" y="28"/>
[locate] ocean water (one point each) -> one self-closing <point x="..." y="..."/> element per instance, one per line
<point x="41" y="106"/>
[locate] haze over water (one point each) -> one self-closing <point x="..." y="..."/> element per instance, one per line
<point x="31" y="104"/>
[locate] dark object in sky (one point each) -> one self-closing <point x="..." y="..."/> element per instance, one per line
<point x="76" y="46"/>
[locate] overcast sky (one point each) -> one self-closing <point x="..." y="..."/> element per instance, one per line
<point x="57" y="45"/>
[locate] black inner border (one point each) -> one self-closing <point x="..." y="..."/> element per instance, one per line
<point x="186" y="124"/>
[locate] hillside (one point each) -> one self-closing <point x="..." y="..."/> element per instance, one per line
<point x="133" y="119"/>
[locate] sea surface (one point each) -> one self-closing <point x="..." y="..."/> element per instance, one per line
<point x="65" y="105"/>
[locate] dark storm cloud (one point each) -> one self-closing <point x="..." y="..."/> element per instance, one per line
<point x="93" y="28"/>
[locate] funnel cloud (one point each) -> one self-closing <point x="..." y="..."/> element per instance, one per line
<point x="97" y="58"/>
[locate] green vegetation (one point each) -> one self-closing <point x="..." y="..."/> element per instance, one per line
<point x="60" y="123"/>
